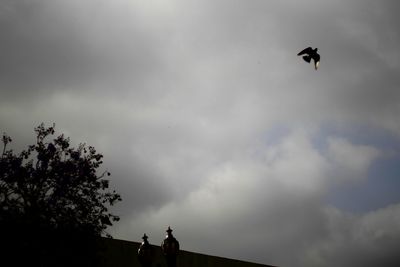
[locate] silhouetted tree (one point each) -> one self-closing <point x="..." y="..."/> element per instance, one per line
<point x="53" y="202"/>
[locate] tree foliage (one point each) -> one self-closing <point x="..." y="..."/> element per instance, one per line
<point x="53" y="191"/>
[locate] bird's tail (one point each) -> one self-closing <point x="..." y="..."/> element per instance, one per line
<point x="307" y="59"/>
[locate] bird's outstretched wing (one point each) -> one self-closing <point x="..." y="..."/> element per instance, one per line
<point x="308" y="50"/>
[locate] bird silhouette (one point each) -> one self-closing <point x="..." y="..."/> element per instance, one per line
<point x="310" y="54"/>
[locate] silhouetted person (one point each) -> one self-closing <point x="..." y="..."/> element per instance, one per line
<point x="310" y="54"/>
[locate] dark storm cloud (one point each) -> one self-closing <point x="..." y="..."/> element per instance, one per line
<point x="55" y="45"/>
<point x="181" y="97"/>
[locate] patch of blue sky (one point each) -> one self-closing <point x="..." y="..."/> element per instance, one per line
<point x="382" y="184"/>
<point x="356" y="134"/>
<point x="276" y="134"/>
<point x="380" y="188"/>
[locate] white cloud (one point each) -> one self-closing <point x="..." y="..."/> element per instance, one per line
<point x="358" y="240"/>
<point x="269" y="199"/>
<point x="350" y="161"/>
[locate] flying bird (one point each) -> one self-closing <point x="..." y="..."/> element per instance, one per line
<point x="311" y="54"/>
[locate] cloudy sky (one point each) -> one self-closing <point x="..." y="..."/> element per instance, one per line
<point x="210" y="123"/>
